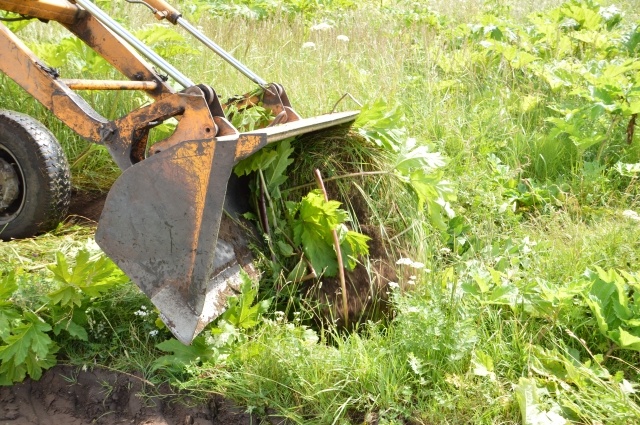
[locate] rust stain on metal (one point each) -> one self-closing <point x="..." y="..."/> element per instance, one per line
<point x="249" y="144"/>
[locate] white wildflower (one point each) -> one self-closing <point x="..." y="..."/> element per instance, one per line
<point x="488" y="29"/>
<point x="627" y="387"/>
<point x="486" y="44"/>
<point x="474" y="27"/>
<point x="394" y="285"/>
<point x="569" y="23"/>
<point x="323" y="26"/>
<point x="309" y="45"/>
<point x="153" y="332"/>
<point x="609" y="12"/>
<point x="411" y="282"/>
<point x="343" y="38"/>
<point x="631" y="215"/>
<point x="142" y="312"/>
<point x="404" y="261"/>
<point x="409" y="262"/>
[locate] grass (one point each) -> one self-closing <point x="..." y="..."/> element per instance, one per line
<point x="500" y="308"/>
<point x="33" y="255"/>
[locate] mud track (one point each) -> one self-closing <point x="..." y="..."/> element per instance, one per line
<point x="66" y="395"/>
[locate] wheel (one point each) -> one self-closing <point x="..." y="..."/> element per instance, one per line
<point x="35" y="184"/>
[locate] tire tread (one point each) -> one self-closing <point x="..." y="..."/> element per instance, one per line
<point x="52" y="162"/>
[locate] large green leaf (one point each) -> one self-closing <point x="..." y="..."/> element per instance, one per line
<point x="241" y="311"/>
<point x="28" y="349"/>
<point x="89" y="277"/>
<point x="313" y="229"/>
<point x="613" y="298"/>
<point x="276" y="173"/>
<point x="627" y="340"/>
<point x="382" y="124"/>
<point x="258" y="161"/>
<point x="8" y="312"/>
<point x="352" y="246"/>
<point x="181" y="355"/>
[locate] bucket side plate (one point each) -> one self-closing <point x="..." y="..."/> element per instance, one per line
<point x="160" y="226"/>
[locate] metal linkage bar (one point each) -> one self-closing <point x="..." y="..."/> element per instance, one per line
<point x="75" y="84"/>
<point x="144" y="50"/>
<point x="221" y="52"/>
<point x="55" y="10"/>
<point x="163" y="10"/>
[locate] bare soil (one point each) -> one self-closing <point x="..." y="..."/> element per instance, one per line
<point x="86" y="207"/>
<point x="66" y="395"/>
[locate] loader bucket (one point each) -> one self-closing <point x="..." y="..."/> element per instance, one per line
<point x="161" y="223"/>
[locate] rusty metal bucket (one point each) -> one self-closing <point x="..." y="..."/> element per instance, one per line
<point x="161" y="223"/>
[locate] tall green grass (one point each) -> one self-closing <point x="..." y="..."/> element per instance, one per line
<point x="499" y="313"/>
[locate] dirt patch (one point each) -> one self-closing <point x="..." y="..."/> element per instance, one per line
<point x="86" y="207"/>
<point x="70" y="396"/>
<point x="367" y="287"/>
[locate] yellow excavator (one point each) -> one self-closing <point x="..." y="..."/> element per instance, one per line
<point x="161" y="222"/>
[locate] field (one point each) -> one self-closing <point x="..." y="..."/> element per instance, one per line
<point x="489" y="200"/>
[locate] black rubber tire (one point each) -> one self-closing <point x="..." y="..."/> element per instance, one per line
<point x="43" y="173"/>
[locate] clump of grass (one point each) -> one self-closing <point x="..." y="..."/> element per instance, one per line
<point x="381" y="374"/>
<point x="360" y="175"/>
<point x="34" y="254"/>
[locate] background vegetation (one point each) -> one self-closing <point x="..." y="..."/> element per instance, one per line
<point x="498" y="160"/>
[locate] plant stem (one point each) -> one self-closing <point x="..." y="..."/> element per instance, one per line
<point x="264" y="194"/>
<point x="336" y="242"/>
<point x="340" y="100"/>
<point x="342" y="176"/>
<point x="631" y="128"/>
<point x="612" y="348"/>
